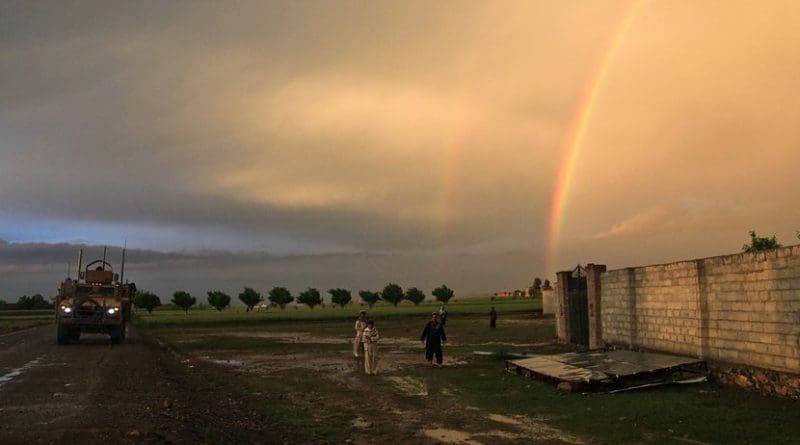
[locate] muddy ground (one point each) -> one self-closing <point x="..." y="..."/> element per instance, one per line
<point x="296" y="382"/>
<point x="143" y="391"/>
<point x="407" y="402"/>
<point x="95" y="393"/>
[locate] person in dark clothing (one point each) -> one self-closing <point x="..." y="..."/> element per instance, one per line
<point x="493" y="318"/>
<point x="433" y="335"/>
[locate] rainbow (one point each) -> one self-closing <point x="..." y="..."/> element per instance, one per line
<point x="573" y="142"/>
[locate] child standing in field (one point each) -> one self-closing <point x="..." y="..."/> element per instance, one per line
<point x="361" y="323"/>
<point x="443" y="315"/>
<point x="370" y="338"/>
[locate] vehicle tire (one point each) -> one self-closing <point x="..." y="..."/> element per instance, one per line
<point x="75" y="334"/>
<point x="116" y="335"/>
<point x="63" y="335"/>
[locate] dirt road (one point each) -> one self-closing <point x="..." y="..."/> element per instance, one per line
<point x="92" y="392"/>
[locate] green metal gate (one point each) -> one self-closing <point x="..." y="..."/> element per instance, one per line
<point x="578" y="301"/>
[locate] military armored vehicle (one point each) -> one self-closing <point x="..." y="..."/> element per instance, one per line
<point x="98" y="301"/>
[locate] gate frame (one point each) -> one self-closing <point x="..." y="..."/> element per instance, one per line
<point x="593" y="291"/>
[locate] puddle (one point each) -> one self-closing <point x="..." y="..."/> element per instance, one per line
<point x="307" y="338"/>
<point x="450" y="436"/>
<point x="514" y="344"/>
<point x="16" y="372"/>
<point x="224" y="362"/>
<point x="410" y="386"/>
<point x="527" y="427"/>
<point x="361" y="423"/>
<point x="505" y="419"/>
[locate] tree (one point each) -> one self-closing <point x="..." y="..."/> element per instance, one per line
<point x="340" y="297"/>
<point x="183" y="300"/>
<point x="758" y="243"/>
<point x="415" y="296"/>
<point x="250" y="298"/>
<point x="35" y="301"/>
<point x="393" y="294"/>
<point x="369" y="297"/>
<point x="218" y="299"/>
<point x="146" y="300"/>
<point x="310" y="297"/>
<point x="546" y="285"/>
<point x="536" y="289"/>
<point x="443" y="293"/>
<point x="280" y="296"/>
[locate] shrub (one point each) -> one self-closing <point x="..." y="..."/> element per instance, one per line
<point x="218" y="299"/>
<point x="146" y="300"/>
<point x="340" y="297"/>
<point x="280" y="296"/>
<point x="393" y="294"/>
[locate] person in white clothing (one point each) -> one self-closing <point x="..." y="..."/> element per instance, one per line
<point x="361" y="323"/>
<point x="370" y="339"/>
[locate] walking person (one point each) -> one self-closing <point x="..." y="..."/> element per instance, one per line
<point x="370" y="338"/>
<point x="443" y="315"/>
<point x="361" y="323"/>
<point x="433" y="335"/>
<point x="493" y="318"/>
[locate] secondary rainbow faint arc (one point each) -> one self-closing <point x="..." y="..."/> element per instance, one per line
<point x="573" y="142"/>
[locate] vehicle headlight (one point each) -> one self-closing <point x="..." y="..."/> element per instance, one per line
<point x="66" y="309"/>
<point x="112" y="310"/>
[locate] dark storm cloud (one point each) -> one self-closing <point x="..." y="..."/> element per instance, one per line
<point x="29" y="268"/>
<point x="132" y="113"/>
<point x="416" y="129"/>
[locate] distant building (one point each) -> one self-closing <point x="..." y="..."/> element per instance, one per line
<point x="527" y="292"/>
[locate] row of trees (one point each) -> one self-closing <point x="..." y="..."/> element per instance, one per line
<point x="280" y="296"/>
<point x="35" y="301"/>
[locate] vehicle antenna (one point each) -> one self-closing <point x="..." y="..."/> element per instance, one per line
<point x="122" y="269"/>
<point x="80" y="262"/>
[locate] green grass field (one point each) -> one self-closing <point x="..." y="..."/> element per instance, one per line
<point x="23" y="319"/>
<point x="295" y="368"/>
<point x="381" y="311"/>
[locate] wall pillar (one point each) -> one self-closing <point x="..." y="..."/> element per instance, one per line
<point x="549" y="301"/>
<point x="562" y="303"/>
<point x="594" y="292"/>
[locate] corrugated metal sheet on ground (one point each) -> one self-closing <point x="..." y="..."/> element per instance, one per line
<point x="601" y="366"/>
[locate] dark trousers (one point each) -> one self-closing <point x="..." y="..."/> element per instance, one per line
<point x="432" y="350"/>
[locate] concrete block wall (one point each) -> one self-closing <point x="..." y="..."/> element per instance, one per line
<point x="742" y="308"/>
<point x="549" y="304"/>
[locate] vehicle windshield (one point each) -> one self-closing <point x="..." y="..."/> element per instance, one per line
<point x="84" y="291"/>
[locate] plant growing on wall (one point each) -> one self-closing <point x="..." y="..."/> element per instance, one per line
<point x="758" y="243"/>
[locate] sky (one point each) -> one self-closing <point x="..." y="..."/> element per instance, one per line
<point x="356" y="143"/>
